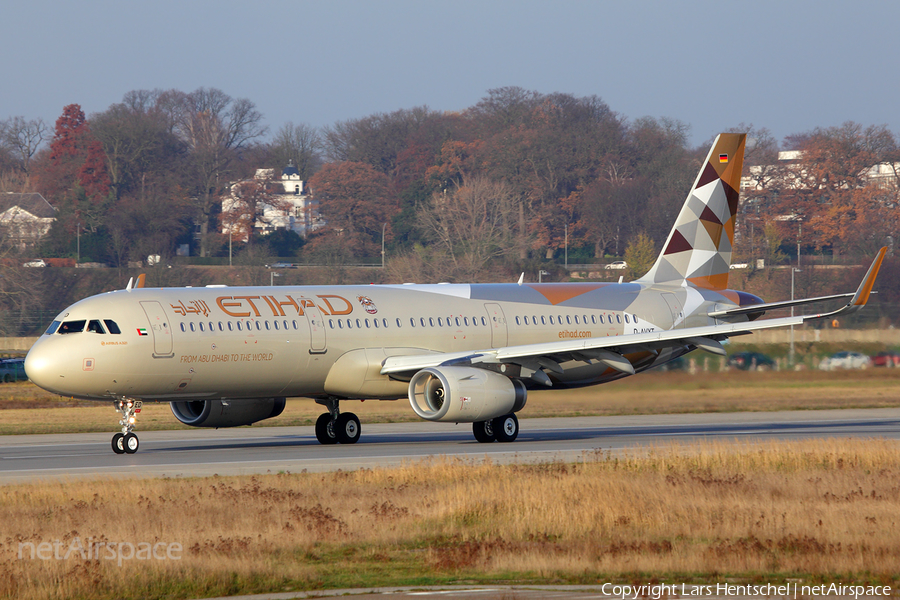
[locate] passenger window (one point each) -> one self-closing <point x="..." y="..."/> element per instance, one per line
<point x="577" y="322"/>
<point x="568" y="319"/>
<point x="240" y="328"/>
<point x="202" y="328"/>
<point x="440" y="322"/>
<point x="221" y="326"/>
<point x="192" y="327"/>
<point x="94" y="326"/>
<point x="484" y="321"/>
<point x="384" y="321"/>
<point x="294" y="323"/>
<point x="412" y="322"/>
<point x="627" y="320"/>
<point x="330" y="323"/>
<point x="52" y="329"/>
<point x="619" y="318"/>
<point x="634" y="318"/>
<point x="349" y="324"/>
<point x="358" y="324"/>
<point x="458" y="324"/>
<point x="552" y="322"/>
<point x="431" y="321"/>
<point x="466" y="321"/>
<point x="374" y="322"/>
<point x="422" y="321"/>
<point x="182" y="327"/>
<point x="398" y="322"/>
<point x="602" y="321"/>
<point x="518" y="321"/>
<point x="594" y="319"/>
<point x="112" y="327"/>
<point x="258" y="326"/>
<point x="367" y="324"/>
<point x="285" y="325"/>
<point x="340" y="324"/>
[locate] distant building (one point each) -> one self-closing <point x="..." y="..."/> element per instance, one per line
<point x="295" y="211"/>
<point x="25" y="218"/>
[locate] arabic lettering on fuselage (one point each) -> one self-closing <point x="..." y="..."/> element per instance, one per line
<point x="255" y="306"/>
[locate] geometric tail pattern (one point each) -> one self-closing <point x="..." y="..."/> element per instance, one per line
<point x="698" y="249"/>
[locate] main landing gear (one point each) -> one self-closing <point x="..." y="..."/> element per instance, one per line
<point x="335" y="427"/>
<point x="502" y="429"/>
<point x="127" y="442"/>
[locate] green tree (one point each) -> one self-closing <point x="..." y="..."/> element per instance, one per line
<point x="640" y="255"/>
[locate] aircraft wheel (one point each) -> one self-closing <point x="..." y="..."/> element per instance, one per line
<point x="118" y="445"/>
<point x="484" y="431"/>
<point x="130" y="443"/>
<point x="325" y="429"/>
<point x="506" y="428"/>
<point x="347" y="428"/>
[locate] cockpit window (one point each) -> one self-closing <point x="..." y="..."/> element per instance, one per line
<point x="72" y="326"/>
<point x="94" y="326"/>
<point x="112" y="327"/>
<point x="52" y="329"/>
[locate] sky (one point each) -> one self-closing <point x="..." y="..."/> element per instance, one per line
<point x="788" y="66"/>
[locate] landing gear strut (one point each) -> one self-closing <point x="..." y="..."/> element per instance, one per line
<point x="127" y="442"/>
<point x="502" y="429"/>
<point x="335" y="427"/>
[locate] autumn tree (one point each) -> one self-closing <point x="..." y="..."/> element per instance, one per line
<point x="357" y="204"/>
<point x="254" y="203"/>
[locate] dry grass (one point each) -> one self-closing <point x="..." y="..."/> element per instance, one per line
<point x="29" y="409"/>
<point x="817" y="510"/>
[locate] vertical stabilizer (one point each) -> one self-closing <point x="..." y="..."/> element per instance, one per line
<point x="698" y="249"/>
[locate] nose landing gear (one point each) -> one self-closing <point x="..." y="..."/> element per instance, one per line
<point x="127" y="442"/>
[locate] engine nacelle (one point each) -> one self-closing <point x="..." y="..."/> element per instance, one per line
<point x="227" y="413"/>
<point x="464" y="394"/>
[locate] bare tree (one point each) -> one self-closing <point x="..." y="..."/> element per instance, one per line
<point x="299" y="145"/>
<point x="214" y="126"/>
<point x="470" y="224"/>
<point x="23" y="138"/>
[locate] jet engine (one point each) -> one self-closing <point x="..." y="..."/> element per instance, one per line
<point x="464" y="394"/>
<point x="226" y="413"/>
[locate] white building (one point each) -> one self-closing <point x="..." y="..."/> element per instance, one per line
<point x="25" y="218"/>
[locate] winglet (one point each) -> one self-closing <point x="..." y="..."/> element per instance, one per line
<point x="862" y="293"/>
<point x="865" y="288"/>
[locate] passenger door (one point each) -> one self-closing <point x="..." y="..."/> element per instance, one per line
<point x="160" y="329"/>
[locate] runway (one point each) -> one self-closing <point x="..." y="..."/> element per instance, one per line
<point x="252" y="450"/>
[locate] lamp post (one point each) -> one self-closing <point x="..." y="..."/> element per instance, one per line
<point x="77" y="242"/>
<point x="793" y="270"/>
<point x="272" y="276"/>
<point x="567" y="247"/>
<point x="541" y="274"/>
<point x="229" y="246"/>
<point x="382" y="244"/>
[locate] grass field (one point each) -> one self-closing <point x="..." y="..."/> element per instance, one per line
<point x="24" y="408"/>
<point x="818" y="511"/>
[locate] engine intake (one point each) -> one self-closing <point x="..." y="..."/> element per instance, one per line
<point x="464" y="394"/>
<point x="230" y="413"/>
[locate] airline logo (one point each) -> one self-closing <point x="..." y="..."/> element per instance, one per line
<point x="723" y="158"/>
<point x="367" y="304"/>
<point x="142" y="331"/>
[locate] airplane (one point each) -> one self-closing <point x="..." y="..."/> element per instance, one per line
<point x="460" y="353"/>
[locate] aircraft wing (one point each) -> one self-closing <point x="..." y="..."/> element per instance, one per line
<point x="611" y="350"/>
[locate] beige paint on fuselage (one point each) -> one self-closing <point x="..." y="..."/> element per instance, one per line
<point x="225" y="344"/>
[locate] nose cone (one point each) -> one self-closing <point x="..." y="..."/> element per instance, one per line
<point x="41" y="368"/>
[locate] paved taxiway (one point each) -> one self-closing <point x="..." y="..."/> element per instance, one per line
<point x="247" y="450"/>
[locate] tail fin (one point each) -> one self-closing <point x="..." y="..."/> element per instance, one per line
<point x="698" y="250"/>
